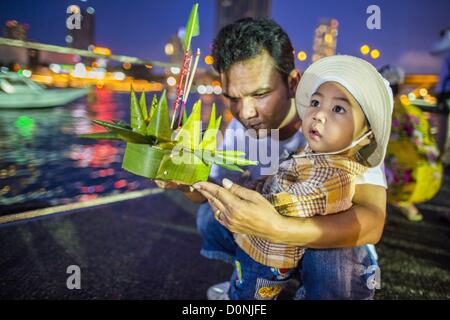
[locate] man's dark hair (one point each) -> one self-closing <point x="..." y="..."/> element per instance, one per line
<point x="246" y="38"/>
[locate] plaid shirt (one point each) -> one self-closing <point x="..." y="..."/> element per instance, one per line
<point x="304" y="186"/>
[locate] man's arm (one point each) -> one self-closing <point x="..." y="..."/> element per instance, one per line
<point x="361" y="224"/>
<point x="246" y="211"/>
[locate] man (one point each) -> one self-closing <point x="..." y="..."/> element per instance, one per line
<point x="255" y="60"/>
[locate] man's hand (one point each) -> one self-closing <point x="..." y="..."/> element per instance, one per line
<point x="241" y="210"/>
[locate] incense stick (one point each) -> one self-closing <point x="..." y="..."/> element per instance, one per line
<point x="188" y="89"/>
<point x="187" y="78"/>
<point x="184" y="73"/>
<point x="191" y="76"/>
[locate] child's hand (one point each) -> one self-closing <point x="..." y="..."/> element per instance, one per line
<point x="257" y="184"/>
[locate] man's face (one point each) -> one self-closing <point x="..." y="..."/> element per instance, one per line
<point x="258" y="97"/>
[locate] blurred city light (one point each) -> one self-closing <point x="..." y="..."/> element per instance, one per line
<point x="334" y="23"/>
<point x="171" y="81"/>
<point x="209" y="60"/>
<point x="169" y="49"/>
<point x="126" y="65"/>
<point x="25" y="126"/>
<point x="365" y="49"/>
<point x="302" y="56"/>
<point x="74" y="9"/>
<point x="175" y="70"/>
<point x="375" y="54"/>
<point x="209" y="89"/>
<point x="217" y="90"/>
<point x="102" y="51"/>
<point x="119" y="76"/>
<point x="79" y="70"/>
<point x="26" y="73"/>
<point x="201" y="89"/>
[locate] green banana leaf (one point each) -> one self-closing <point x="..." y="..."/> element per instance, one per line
<point x="209" y="141"/>
<point x="126" y="134"/>
<point x="184" y="117"/>
<point x="143" y="105"/>
<point x="153" y="107"/>
<point x="231" y="153"/>
<point x="206" y="156"/>
<point x="159" y="125"/>
<point x="137" y="118"/>
<point x="190" y="133"/>
<point x="108" y="135"/>
<point x="142" y="160"/>
<point x="192" y="28"/>
<point x="122" y="124"/>
<point x="222" y="160"/>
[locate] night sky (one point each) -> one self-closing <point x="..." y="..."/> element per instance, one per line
<point x="142" y="27"/>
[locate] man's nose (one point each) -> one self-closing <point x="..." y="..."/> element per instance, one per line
<point x="248" y="108"/>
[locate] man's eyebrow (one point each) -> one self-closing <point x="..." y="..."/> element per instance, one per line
<point x="256" y="92"/>
<point x="261" y="90"/>
<point x="317" y="93"/>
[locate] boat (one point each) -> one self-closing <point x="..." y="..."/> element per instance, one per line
<point x="20" y="92"/>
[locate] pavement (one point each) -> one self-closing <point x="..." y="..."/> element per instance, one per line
<point x="148" y="248"/>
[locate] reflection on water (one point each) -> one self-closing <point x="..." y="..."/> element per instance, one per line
<point x="43" y="162"/>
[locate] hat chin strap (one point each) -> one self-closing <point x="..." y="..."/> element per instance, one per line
<point x="353" y="144"/>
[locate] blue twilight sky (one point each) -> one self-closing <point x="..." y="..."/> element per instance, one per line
<point x="142" y="27"/>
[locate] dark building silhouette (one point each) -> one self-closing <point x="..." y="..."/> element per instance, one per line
<point x="228" y="11"/>
<point x="174" y="50"/>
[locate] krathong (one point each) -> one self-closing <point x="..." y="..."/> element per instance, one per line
<point x="172" y="150"/>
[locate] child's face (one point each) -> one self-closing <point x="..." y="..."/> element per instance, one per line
<point x="333" y="119"/>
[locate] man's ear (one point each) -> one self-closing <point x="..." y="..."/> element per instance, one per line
<point x="293" y="80"/>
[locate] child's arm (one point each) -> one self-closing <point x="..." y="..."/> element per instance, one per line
<point x="257" y="184"/>
<point x="324" y="193"/>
